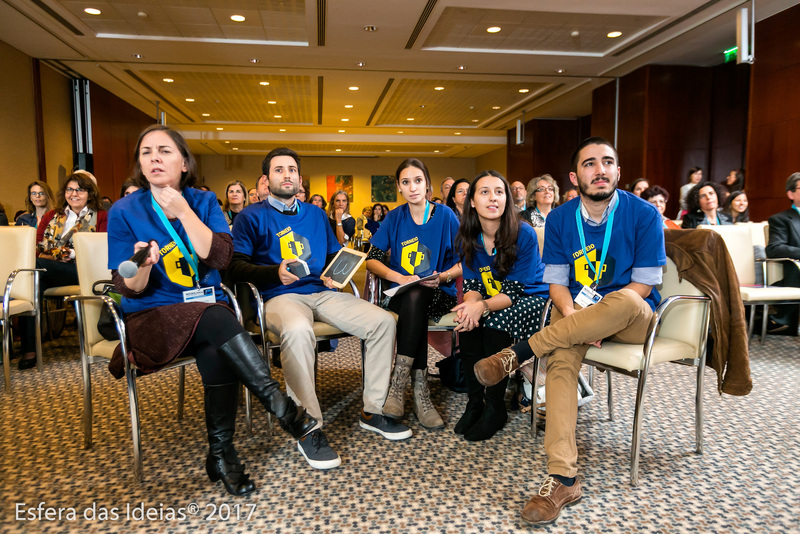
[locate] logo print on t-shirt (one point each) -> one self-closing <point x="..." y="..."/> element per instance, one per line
<point x="294" y="246"/>
<point x="492" y="286"/>
<point x="585" y="275"/>
<point x="177" y="268"/>
<point x="415" y="258"/>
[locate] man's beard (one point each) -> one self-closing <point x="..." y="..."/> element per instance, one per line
<point x="596" y="197"/>
<point x="284" y="195"/>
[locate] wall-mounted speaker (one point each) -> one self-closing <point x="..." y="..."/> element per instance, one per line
<point x="744" y="37"/>
<point x="520" y="132"/>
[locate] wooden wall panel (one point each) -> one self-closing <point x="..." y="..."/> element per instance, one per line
<point x="520" y="157"/>
<point x="729" y="103"/>
<point x="632" y="125"/>
<point x="554" y="142"/>
<point x="602" y="118"/>
<point x="774" y="122"/>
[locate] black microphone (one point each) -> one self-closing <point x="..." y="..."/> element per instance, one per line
<point x="128" y="269"/>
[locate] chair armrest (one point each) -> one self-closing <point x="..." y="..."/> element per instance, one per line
<point x="109" y="303"/>
<point x="373" y="288"/>
<point x="241" y="288"/>
<point x="765" y="261"/>
<point x="231" y="297"/>
<point x="10" y="283"/>
<point x="355" y="289"/>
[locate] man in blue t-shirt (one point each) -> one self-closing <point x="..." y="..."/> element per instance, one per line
<point x="603" y="255"/>
<point x="268" y="240"/>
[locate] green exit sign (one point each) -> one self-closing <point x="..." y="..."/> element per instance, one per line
<point x="730" y="54"/>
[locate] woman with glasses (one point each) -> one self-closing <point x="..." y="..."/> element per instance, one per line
<point x="542" y="198"/>
<point x="457" y="195"/>
<point x="235" y="201"/>
<point x="38" y="202"/>
<point x="77" y="210"/>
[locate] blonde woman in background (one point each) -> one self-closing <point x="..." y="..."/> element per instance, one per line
<point x="38" y="202"/>
<point x="542" y="198"/>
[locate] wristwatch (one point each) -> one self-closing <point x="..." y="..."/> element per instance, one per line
<point x="449" y="277"/>
<point x="338" y="224"/>
<point x="486" y="310"/>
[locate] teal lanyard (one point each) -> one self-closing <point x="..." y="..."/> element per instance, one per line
<point x="606" y="241"/>
<point x="189" y="254"/>
<point x="480" y="238"/>
<point x="427" y="212"/>
<point x="795" y="208"/>
<point x="709" y="222"/>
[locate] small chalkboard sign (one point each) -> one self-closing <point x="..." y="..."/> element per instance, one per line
<point x="344" y="266"/>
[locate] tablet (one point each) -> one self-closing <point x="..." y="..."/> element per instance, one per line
<point x="344" y="266"/>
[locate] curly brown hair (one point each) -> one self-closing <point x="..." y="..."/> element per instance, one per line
<point x="85" y="180"/>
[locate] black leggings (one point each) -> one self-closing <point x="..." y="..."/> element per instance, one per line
<point x="412" y="323"/>
<point x="481" y="343"/>
<point x="216" y="327"/>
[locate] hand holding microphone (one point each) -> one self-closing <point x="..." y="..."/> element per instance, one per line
<point x="129" y="268"/>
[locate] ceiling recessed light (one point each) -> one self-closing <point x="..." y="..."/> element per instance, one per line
<point x="457" y="133"/>
<point x="234" y="148"/>
<point x="439" y="88"/>
<point x="227" y="142"/>
<point x="345" y="120"/>
<point x="401" y="131"/>
<point x="462" y="67"/>
<point x="560" y="71"/>
<point x="220" y="129"/>
<point x="277" y="116"/>
<point x="206" y="114"/>
<point x="523" y="91"/>
<point x="338" y="150"/>
<point x="168" y="80"/>
<point x="92" y="11"/>
<point x="348" y="106"/>
<point x="353" y="88"/>
<point x="575" y="33"/>
<point x="237" y="18"/>
<point x="370" y="28"/>
<point x="282" y="130"/>
<point x="190" y="99"/>
<point x="341" y="131"/>
<point x="612" y="35"/>
<point x="493" y="29"/>
<point x="360" y="64"/>
<point x="436" y="151"/>
<point x="271" y="102"/>
<point x="263" y="83"/>
<point x="387" y="150"/>
<point x="142" y="14"/>
<point x="137" y="56"/>
<point x="474" y="120"/>
<point x="495" y="107"/>
<point x="254" y="60"/>
<point x="409" y="118"/>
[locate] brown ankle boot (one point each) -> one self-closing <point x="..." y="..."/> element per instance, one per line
<point x="396" y="398"/>
<point x="490" y="371"/>
<point x="545" y="507"/>
<point x="423" y="407"/>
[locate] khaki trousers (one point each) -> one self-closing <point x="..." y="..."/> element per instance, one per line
<point x="623" y="317"/>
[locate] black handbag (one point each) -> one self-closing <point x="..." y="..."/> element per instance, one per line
<point x="451" y="372"/>
<point x="106" y="325"/>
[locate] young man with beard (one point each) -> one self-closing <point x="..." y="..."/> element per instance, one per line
<point x="270" y="236"/>
<point x="603" y="255"/>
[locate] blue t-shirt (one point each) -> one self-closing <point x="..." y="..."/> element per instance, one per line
<point x="419" y="249"/>
<point x="637" y="240"/>
<point x="527" y="270"/>
<point x="132" y="219"/>
<point x="269" y="237"/>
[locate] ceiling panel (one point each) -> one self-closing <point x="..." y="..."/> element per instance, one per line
<point x="314" y="148"/>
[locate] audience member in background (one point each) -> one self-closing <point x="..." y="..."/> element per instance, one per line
<point x="17" y="215"/>
<point x="702" y="204"/>
<point x="252" y="196"/>
<point x="386" y="210"/>
<point x="342" y="223"/>
<point x="695" y="177"/>
<point x="784" y="242"/>
<point x="542" y="198"/>
<point x="38" y="202"/>
<point x="263" y="249"/>
<point x="375" y="221"/>
<point x="105" y="203"/>
<point x="638" y="185"/>
<point x="519" y="195"/>
<point x="418" y="237"/>
<point x="735" y="181"/>
<point x="262" y="187"/>
<point x="128" y="186"/>
<point x="304" y="192"/>
<point x="185" y="223"/>
<point x="737" y="207"/>
<point x="319" y="201"/>
<point x="77" y="209"/>
<point x="504" y="295"/>
<point x="457" y="195"/>
<point x="569" y="194"/>
<point x="235" y="201"/>
<point x="437" y="200"/>
<point x="658" y="197"/>
<point x="446" y="185"/>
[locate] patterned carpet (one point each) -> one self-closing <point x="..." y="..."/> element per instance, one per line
<point x="748" y="480"/>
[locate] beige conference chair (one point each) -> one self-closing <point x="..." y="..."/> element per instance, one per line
<point x="678" y="335"/>
<point x="91" y="253"/>
<point x="21" y="293"/>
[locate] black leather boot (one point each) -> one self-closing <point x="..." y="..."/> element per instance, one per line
<point x="245" y="359"/>
<point x="223" y="463"/>
<point x="494" y="415"/>
<point x="475" y="403"/>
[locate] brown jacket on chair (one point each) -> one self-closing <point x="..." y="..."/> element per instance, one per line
<point x="702" y="258"/>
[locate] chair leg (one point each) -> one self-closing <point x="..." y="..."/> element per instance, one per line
<point x="38" y="340"/>
<point x="610" y="393"/>
<point x="181" y="390"/>
<point x="751" y="323"/>
<point x="133" y="404"/>
<point x="248" y="408"/>
<point x="698" y="407"/>
<point x="534" y="396"/>
<point x="764" y="319"/>
<point x="88" y="411"/>
<point x="7" y="353"/>
<point x="637" y="428"/>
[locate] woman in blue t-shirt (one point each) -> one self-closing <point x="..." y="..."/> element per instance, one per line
<point x="504" y="295"/>
<point x="173" y="303"/>
<point x="418" y="236"/>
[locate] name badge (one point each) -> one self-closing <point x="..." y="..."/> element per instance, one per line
<point x="202" y="294"/>
<point x="587" y="297"/>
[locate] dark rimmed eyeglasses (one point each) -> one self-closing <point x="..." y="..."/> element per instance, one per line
<point x="547" y="189"/>
<point x="37" y="193"/>
<point x="70" y="190"/>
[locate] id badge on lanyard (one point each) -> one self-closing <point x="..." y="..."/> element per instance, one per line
<point x="588" y="296"/>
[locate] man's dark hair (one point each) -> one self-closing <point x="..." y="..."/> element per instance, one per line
<point x="791" y="182"/>
<point x="592" y="141"/>
<point x="282" y="151"/>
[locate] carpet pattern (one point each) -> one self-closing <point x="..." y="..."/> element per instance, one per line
<point x="748" y="479"/>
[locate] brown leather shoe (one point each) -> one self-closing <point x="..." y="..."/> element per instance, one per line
<point x="545" y="507"/>
<point x="490" y="371"/>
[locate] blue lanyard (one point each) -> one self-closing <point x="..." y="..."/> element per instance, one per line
<point x="709" y="222"/>
<point x="606" y="241"/>
<point x="480" y="238"/>
<point x="795" y="208"/>
<point x="189" y="253"/>
<point x="427" y="212"/>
